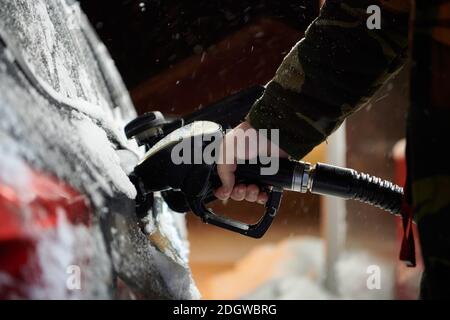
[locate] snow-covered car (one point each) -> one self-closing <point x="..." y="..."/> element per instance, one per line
<point x="68" y="227"/>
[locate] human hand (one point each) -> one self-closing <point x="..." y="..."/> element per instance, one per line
<point x="226" y="168"/>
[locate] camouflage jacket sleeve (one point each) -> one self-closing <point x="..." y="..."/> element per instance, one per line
<point x="332" y="72"/>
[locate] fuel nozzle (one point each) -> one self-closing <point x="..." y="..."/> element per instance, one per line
<point x="190" y="186"/>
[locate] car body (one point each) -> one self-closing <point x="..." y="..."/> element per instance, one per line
<point x="68" y="227"/>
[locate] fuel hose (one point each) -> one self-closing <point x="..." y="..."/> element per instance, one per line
<point x="325" y="179"/>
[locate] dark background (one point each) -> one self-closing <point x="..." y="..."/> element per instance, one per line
<point x="146" y="37"/>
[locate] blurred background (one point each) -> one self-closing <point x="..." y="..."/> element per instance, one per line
<point x="178" y="56"/>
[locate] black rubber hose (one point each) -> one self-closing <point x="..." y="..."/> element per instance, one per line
<point x="350" y="184"/>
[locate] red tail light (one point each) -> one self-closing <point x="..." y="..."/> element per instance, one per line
<point x="26" y="213"/>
